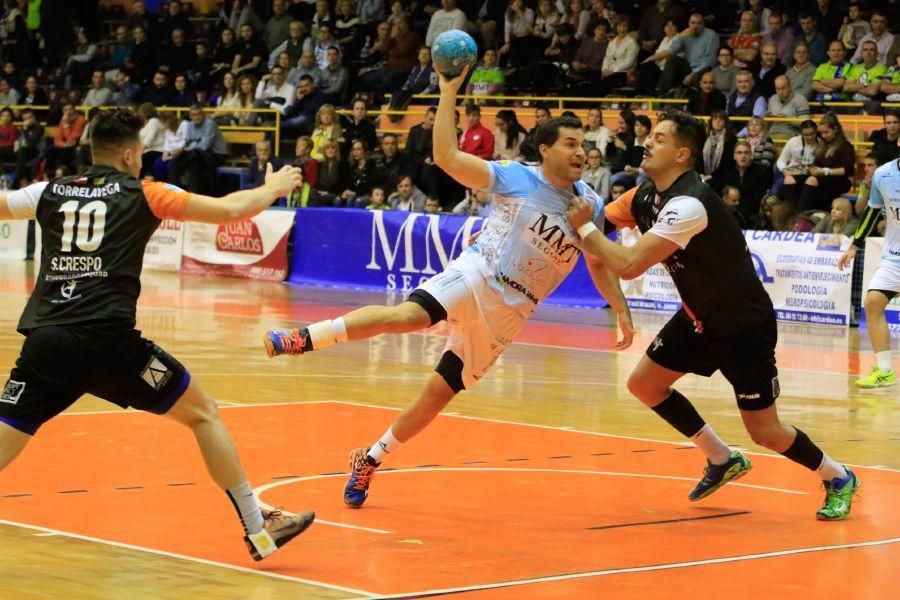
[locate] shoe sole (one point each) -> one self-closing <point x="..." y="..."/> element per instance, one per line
<point x="307" y="519"/>
<point x="352" y="505"/>
<point x="711" y="491"/>
<point x="865" y="386"/>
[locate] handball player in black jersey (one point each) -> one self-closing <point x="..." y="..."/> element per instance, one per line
<point x="79" y="323"/>
<point x="726" y="322"/>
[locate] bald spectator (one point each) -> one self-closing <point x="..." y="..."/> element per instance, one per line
<point x="769" y="70"/>
<point x="801" y="72"/>
<point x="781" y="37"/>
<point x="786" y="103"/>
<point x="746" y="41"/>
<point x="880" y="35"/>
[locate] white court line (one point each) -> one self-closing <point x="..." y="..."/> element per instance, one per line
<point x="649" y="568"/>
<point x="193" y="559"/>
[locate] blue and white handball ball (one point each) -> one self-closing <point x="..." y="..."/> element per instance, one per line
<point x="453" y="50"/>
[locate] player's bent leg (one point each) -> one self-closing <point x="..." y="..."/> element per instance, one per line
<point x="266" y="530"/>
<point x="882" y="373"/>
<point x="650" y="382"/>
<point x="12" y="442"/>
<point x="413" y="419"/>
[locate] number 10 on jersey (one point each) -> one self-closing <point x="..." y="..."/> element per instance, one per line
<point x="89" y="222"/>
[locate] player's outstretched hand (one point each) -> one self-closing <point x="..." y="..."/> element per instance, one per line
<point x="283" y="181"/>
<point x="847" y="257"/>
<point x="626" y="326"/>
<point x="579" y="213"/>
<point x="452" y="85"/>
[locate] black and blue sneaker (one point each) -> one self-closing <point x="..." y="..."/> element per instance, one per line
<point x="362" y="470"/>
<point x="715" y="476"/>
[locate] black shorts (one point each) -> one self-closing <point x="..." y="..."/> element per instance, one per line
<point x="58" y="364"/>
<point x="746" y="359"/>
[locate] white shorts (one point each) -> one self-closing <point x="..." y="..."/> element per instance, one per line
<point x="481" y="324"/>
<point x="887" y="278"/>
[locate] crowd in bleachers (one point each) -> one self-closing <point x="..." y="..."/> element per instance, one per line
<point x="756" y="70"/>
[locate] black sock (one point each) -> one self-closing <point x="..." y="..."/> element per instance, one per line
<point x="680" y="414"/>
<point x="804" y="452"/>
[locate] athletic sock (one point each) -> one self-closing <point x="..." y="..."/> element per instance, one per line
<point x="883" y="359"/>
<point x="678" y="412"/>
<point x="831" y="469"/>
<point x="804" y="452"/>
<point x="716" y="451"/>
<point x="327" y="333"/>
<point x="385" y="445"/>
<point x="248" y="510"/>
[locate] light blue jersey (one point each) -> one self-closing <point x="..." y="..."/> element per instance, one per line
<point x="885" y="193"/>
<point x="527" y="246"/>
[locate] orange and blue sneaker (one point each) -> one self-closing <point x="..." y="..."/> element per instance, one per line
<point x="715" y="476"/>
<point x="838" y="497"/>
<point x="362" y="467"/>
<point x="287" y="341"/>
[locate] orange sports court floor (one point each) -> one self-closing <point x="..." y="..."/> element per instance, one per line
<point x="546" y="481"/>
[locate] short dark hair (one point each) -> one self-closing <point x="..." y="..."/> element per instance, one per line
<point x="115" y="127"/>
<point x="548" y="132"/>
<point x="473" y="109"/>
<point x="307" y="78"/>
<point x="689" y="132"/>
<point x="808" y="124"/>
<point x="891" y="112"/>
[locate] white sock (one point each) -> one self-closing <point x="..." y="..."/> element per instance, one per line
<point x="385" y="445"/>
<point x="247" y="508"/>
<point x="883" y="359"/>
<point x="831" y="469"/>
<point x="327" y="333"/>
<point x="717" y="451"/>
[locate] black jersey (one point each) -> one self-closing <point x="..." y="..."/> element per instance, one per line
<point x="94" y="229"/>
<point x="714" y="273"/>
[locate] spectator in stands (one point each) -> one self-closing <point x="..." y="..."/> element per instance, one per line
<point x="816" y="43"/>
<point x="620" y="60"/>
<point x="587" y="64"/>
<point x="391" y="164"/>
<point x="699" y="46"/>
<point x="173" y="144"/>
<point x="183" y="95"/>
<point x="628" y="162"/>
<point x="333" y="172"/>
<point x="199" y="74"/>
<point x="707" y="98"/>
<point x="781" y="37"/>
<point x="204" y="150"/>
<point x="726" y="71"/>
<point x="529" y="147"/>
<point x="33" y="94"/>
<point x="488" y="78"/>
<point x="595" y="174"/>
<point x="293" y="45"/>
<point x="854" y="28"/>
<point x="336" y="78"/>
<point x="121" y="51"/>
<point x="864" y="80"/>
<point x="477" y="203"/>
<point x="508" y="136"/>
<point x="447" y="18"/>
<point x="274" y="92"/>
<point x="360" y="176"/>
<point x="374" y="50"/>
<point x="375" y="199"/>
<point x="370" y="12"/>
<point x="306" y="66"/>
<point x="327" y="128"/>
<point x="651" y="68"/>
<point x="178" y="56"/>
<point x="596" y="135"/>
<point x="546" y="22"/>
<point x="840" y="221"/>
<point x="654" y="22"/>
<point x="324" y="41"/>
<point x="718" y="149"/>
<point x="152" y="135"/>
<point x="402" y="50"/>
<point x="225" y="52"/>
<point x="422" y="79"/>
<point x="885" y="141"/>
<point x="243" y="98"/>
<point x="828" y="81"/>
<point x="769" y="70"/>
<point x="477" y="139"/>
<point x="518" y="29"/>
<point x="256" y="172"/>
<point x="8" y="95"/>
<point x="277" y="27"/>
<point x="249" y="54"/>
<point x="241" y="14"/>
<point x="98" y="94"/>
<point x="830" y="174"/>
<point x="761" y="143"/>
<point x="8" y="136"/>
<point x="775" y="214"/>
<point x="745" y="102"/>
<point x="79" y="65"/>
<point x="801" y="72"/>
<point x="432" y="205"/>
<point x="173" y="19"/>
<point x="141" y="63"/>
<point x="29" y="145"/>
<point x="13" y="33"/>
<point x="158" y="94"/>
<point x="303" y="159"/>
<point x="407" y="197"/>
<point x="746" y="41"/>
<point x="785" y="103"/>
<point x="797" y="156"/>
<point x="890" y="85"/>
<point x="348" y="29"/>
<point x="300" y="116"/>
<point x="752" y="179"/>
<point x="358" y="126"/>
<point x="880" y="35"/>
<point x="140" y="17"/>
<point x="322" y="18"/>
<point x="125" y="92"/>
<point x="66" y="139"/>
<point x="617" y="189"/>
<point x="731" y="196"/>
<point x="828" y="18"/>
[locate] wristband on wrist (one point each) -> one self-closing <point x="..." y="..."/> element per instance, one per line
<point x="586" y="229"/>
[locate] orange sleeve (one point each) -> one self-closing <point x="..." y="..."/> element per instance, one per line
<point x="165" y="200"/>
<point x="619" y="212"/>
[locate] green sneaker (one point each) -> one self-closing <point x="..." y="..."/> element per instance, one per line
<point x="838" y="497"/>
<point x="715" y="476"/>
<point x="877" y="378"/>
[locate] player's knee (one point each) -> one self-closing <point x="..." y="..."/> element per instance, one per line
<point x="198" y="409"/>
<point x="874" y="303"/>
<point x="644" y="389"/>
<point x="408" y="317"/>
<point x="767" y="437"/>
